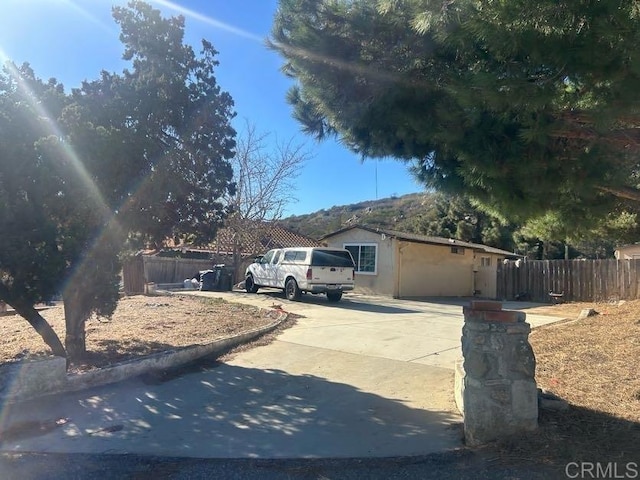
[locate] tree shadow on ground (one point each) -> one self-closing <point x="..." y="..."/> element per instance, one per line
<point x="455" y="465"/>
<point x="108" y="352"/>
<point x="465" y="301"/>
<point x="11" y="313"/>
<point x="345" y="304"/>
<point x="221" y="411"/>
<point x="353" y="303"/>
<point x="572" y="438"/>
<point x="229" y="411"/>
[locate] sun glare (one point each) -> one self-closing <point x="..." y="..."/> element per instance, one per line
<point x="50" y="127"/>
<point x="208" y="20"/>
<point x="53" y="129"/>
<point x="109" y="27"/>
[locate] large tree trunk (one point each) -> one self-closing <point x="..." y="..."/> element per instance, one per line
<point x="31" y="315"/>
<point x="75" y="318"/>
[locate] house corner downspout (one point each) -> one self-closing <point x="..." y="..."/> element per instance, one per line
<point x="398" y="263"/>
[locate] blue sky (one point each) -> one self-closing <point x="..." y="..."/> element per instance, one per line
<point x="73" y="40"/>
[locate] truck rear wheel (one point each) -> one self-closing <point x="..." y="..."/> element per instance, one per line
<point x="334" y="296"/>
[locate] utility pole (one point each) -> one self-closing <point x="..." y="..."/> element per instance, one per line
<point x="376" y="179"/>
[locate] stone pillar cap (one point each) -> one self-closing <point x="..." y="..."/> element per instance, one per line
<point x="485" y="305"/>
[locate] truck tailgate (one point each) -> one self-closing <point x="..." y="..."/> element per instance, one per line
<point x="332" y="275"/>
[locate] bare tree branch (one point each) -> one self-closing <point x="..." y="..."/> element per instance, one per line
<point x="264" y="174"/>
<point x="622" y="192"/>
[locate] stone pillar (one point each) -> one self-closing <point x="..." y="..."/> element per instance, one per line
<point x="499" y="389"/>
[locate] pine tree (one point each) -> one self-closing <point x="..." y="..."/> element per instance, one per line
<point x="526" y="113"/>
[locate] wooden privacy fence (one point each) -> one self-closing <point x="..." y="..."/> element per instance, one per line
<point x="173" y="270"/>
<point x="139" y="270"/>
<point x="577" y="280"/>
<point x="142" y="269"/>
<point x="133" y="275"/>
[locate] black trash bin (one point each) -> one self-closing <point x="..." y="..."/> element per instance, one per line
<point x="209" y="280"/>
<point x="218" y="279"/>
<point x="226" y="281"/>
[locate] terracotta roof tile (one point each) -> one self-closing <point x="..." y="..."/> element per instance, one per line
<point x="255" y="238"/>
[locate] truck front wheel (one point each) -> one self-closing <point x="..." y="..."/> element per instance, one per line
<point x="291" y="290"/>
<point x="249" y="285"/>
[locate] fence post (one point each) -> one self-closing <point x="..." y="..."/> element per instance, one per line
<point x="133" y="275"/>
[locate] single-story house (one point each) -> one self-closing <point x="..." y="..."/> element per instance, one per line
<point x="628" y="252"/>
<point x="405" y="265"/>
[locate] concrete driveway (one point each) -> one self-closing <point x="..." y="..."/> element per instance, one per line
<point x="425" y="332"/>
<point x="366" y="377"/>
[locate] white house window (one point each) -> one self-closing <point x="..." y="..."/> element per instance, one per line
<point x="365" y="255"/>
<point x="457" y="250"/>
<point x="485" y="261"/>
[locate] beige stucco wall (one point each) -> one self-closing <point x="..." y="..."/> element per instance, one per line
<point x="382" y="282"/>
<point x="630" y="252"/>
<point x="486" y="277"/>
<point x="411" y="269"/>
<point x="432" y="270"/>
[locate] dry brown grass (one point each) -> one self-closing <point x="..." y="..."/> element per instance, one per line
<point x="141" y="325"/>
<point x="592" y="364"/>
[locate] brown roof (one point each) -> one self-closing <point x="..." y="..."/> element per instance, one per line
<point x="259" y="237"/>
<point x="414" y="237"/>
<point x="255" y="238"/>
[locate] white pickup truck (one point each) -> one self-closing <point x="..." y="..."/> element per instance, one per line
<point x="305" y="269"/>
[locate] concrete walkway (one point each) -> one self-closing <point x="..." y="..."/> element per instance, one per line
<point x="366" y="377"/>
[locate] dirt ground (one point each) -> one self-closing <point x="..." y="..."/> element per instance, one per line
<point x="141" y="325"/>
<point x="592" y="362"/>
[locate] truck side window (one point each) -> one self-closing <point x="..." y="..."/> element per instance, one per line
<point x="267" y="258"/>
<point x="277" y="256"/>
<point x="296" y="256"/>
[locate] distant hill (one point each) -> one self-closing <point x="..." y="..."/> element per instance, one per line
<point x="391" y="213"/>
<point x="441" y="215"/>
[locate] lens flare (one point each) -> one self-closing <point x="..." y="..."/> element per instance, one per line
<point x="208" y="20"/>
<point x="109" y="28"/>
<point x="50" y="127"/>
